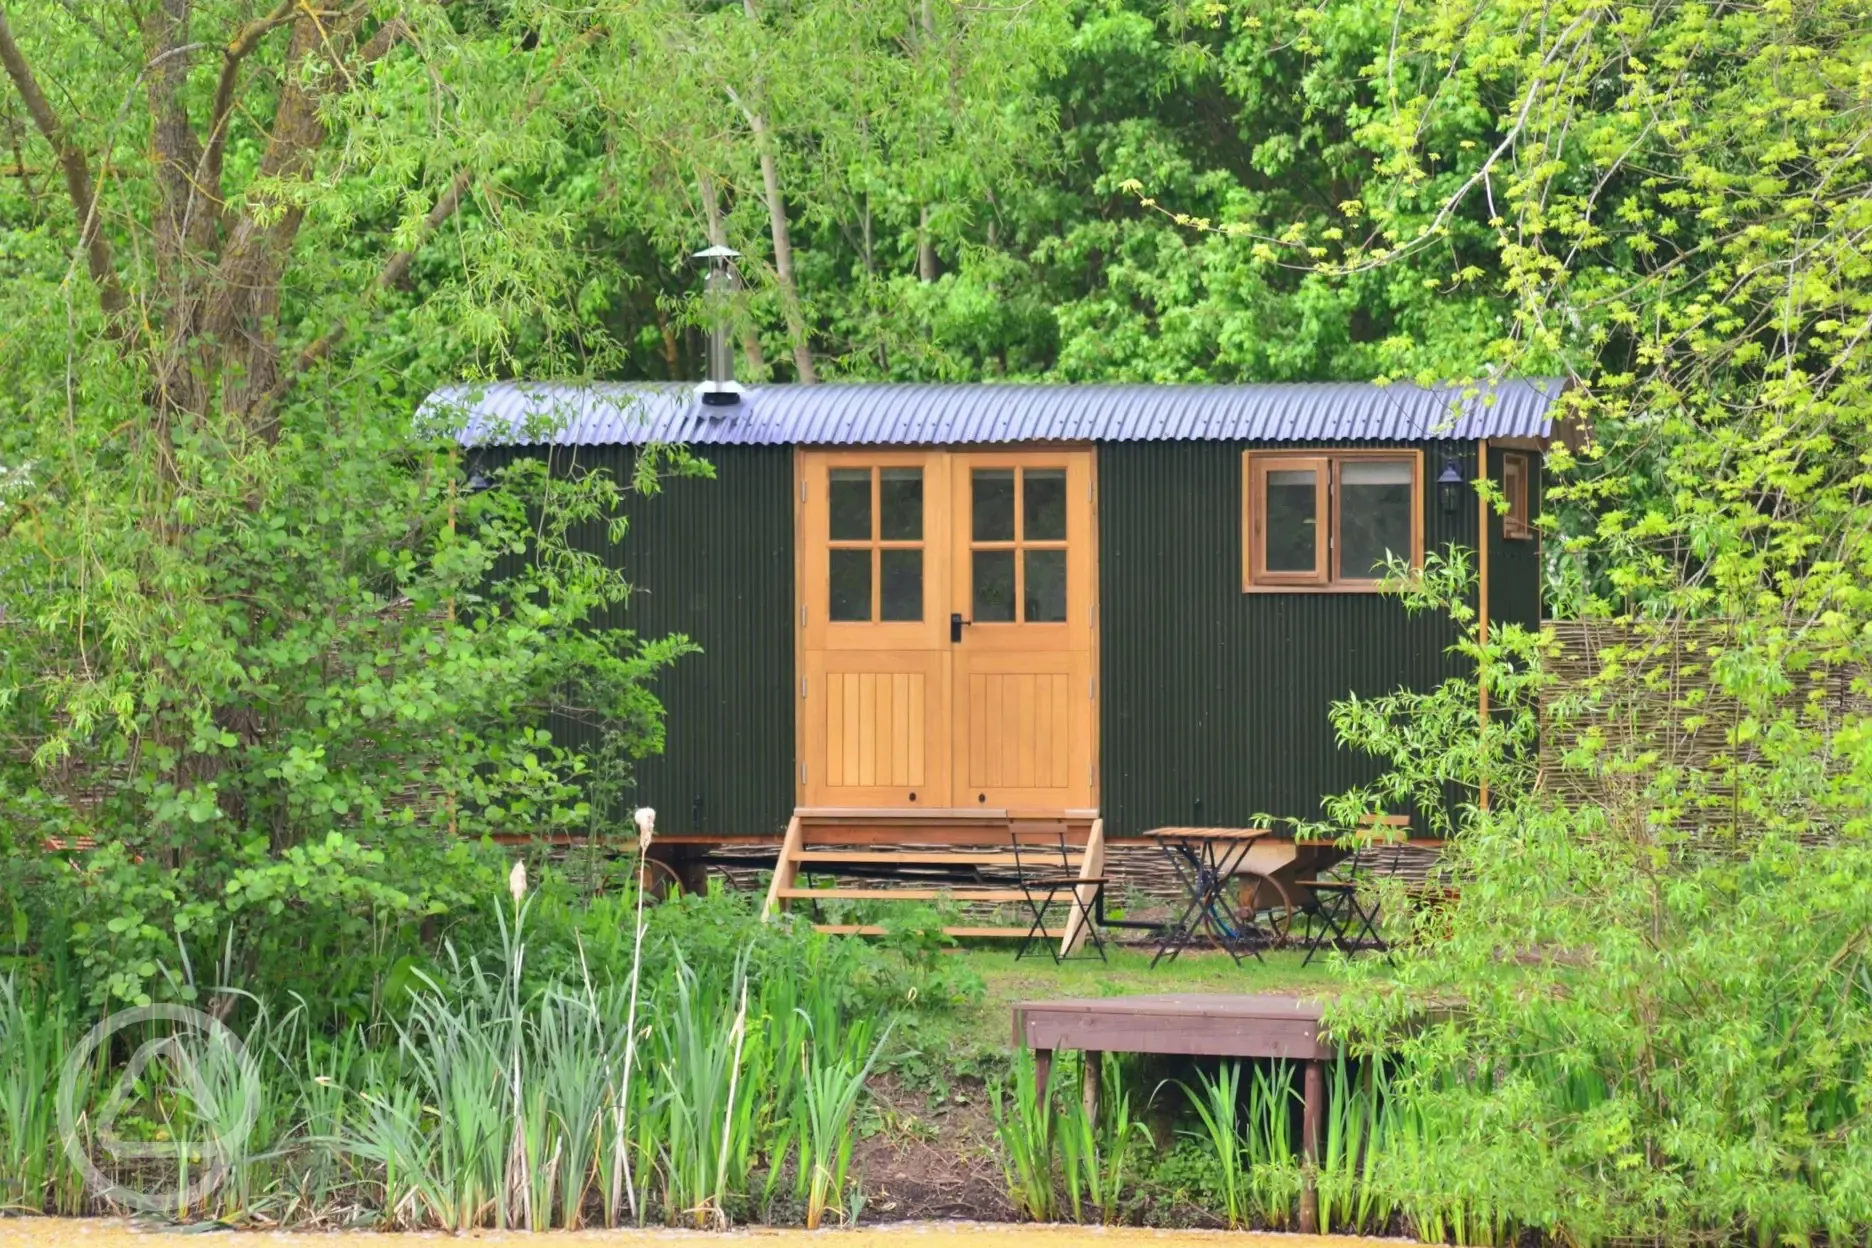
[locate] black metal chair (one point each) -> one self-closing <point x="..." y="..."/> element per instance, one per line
<point x="1345" y="912"/>
<point x="1047" y="876"/>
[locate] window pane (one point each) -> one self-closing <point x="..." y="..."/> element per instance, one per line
<point x="900" y="585"/>
<point x="849" y="501"/>
<point x="851" y="585"/>
<point x="1514" y="484"/>
<point x="900" y="508"/>
<point x="1374" y="515"/>
<point x="994" y="506"/>
<point x="1044" y="505"/>
<point x="994" y="584"/>
<point x="1046" y="586"/>
<point x="1292" y="525"/>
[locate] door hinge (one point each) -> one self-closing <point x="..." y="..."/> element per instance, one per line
<point x="1092" y="688"/>
<point x="802" y="773"/>
<point x="802" y="491"/>
<point x="802" y="686"/>
<point x="802" y="615"/>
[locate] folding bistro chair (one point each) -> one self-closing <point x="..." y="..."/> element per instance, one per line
<point x="1047" y="875"/>
<point x="1346" y="911"/>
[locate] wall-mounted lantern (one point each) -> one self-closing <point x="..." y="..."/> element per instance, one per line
<point x="1450" y="484"/>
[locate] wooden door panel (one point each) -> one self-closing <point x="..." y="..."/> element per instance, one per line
<point x="877" y="728"/>
<point x="1023" y="729"/>
<point x="1020" y="730"/>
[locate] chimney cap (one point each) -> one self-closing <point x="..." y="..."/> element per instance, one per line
<point x="716" y="253"/>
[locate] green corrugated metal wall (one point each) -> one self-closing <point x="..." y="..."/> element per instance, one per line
<point x="1214" y="702"/>
<point x="712" y="559"/>
<point x="1515" y="566"/>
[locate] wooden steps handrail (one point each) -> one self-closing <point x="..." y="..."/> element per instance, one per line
<point x="1092" y="868"/>
<point x="786" y="869"/>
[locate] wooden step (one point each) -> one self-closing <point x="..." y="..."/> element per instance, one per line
<point x="988" y="836"/>
<point x="960" y="933"/>
<point x="913" y="858"/>
<point x="903" y="894"/>
<point x="960" y="814"/>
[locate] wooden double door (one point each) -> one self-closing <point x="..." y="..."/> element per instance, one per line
<point x="947" y="616"/>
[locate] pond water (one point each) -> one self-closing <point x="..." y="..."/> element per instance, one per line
<point x="110" y="1233"/>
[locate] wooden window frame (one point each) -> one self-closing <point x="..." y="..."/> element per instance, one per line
<point x="1326" y="576"/>
<point x="1255" y="468"/>
<point x="876" y="544"/>
<point x="1518" y="520"/>
<point x="1019" y="544"/>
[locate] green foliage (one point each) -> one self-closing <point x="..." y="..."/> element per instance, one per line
<point x="1660" y="953"/>
<point x="1026" y="1124"/>
<point x="832" y="1085"/>
<point x="1095" y="1148"/>
<point x="1216" y="1105"/>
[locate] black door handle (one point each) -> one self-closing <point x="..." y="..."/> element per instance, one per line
<point x="956" y="624"/>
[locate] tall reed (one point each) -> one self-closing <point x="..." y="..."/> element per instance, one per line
<point x="705" y="1152"/>
<point x="35" y="1034"/>
<point x="1273" y="1161"/>
<point x="832" y="1084"/>
<point x="1216" y="1106"/>
<point x="1025" y="1129"/>
<point x="1094" y="1146"/>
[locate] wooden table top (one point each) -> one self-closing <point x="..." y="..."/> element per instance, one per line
<point x="1209" y="834"/>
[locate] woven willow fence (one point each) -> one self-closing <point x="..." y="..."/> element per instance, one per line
<point x="1638" y="724"/>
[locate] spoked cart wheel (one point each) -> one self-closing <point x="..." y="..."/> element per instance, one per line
<point x="1267" y="908"/>
<point x="658" y="879"/>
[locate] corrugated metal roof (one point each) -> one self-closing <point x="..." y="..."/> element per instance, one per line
<point x="881" y="414"/>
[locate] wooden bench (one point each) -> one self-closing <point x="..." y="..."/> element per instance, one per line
<point x="1193" y="1025"/>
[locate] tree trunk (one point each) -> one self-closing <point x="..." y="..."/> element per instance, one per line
<point x="926" y="248"/>
<point x="783" y="252"/>
<point x="782" y="236"/>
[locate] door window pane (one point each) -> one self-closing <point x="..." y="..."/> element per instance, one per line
<point x="1374" y="515"/>
<point x="900" y="584"/>
<point x="1045" y="596"/>
<point x="994" y="506"/>
<point x="1292" y="520"/>
<point x="850" y="576"/>
<point x="994" y="584"/>
<point x="1043" y="505"/>
<point x="900" y="508"/>
<point x="849" y="502"/>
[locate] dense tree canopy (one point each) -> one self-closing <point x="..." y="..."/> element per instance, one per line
<point x="241" y="241"/>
